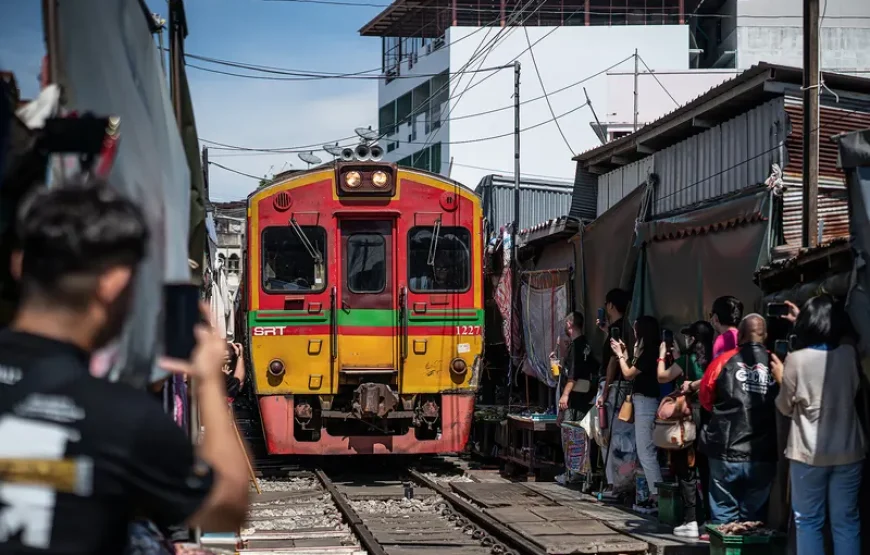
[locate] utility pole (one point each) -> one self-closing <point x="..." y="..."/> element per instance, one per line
<point x="809" y="223"/>
<point x="636" y="69"/>
<point x="205" y="172"/>
<point x="515" y="292"/>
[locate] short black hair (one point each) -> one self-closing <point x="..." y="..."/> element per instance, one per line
<point x="822" y="321"/>
<point x="728" y="309"/>
<point x="577" y="319"/>
<point x="619" y="298"/>
<point x="71" y="234"/>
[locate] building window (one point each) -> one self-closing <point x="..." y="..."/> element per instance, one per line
<point x="289" y="259"/>
<point x="403" y="109"/>
<point x="391" y="56"/>
<point x="450" y="268"/>
<point x="366" y="263"/>
<point x="420" y="159"/>
<point x="405" y="162"/>
<point x="435" y="158"/>
<point x="387" y="119"/>
<point x="233" y="264"/>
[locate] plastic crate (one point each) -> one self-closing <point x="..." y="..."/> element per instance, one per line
<point x="745" y="545"/>
<point x="670" y="503"/>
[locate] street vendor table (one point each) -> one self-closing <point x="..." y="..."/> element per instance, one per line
<point x="533" y="442"/>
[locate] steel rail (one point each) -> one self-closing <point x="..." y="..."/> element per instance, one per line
<point x="356" y="523"/>
<point x="495" y="528"/>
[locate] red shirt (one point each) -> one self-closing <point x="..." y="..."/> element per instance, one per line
<point x="707" y="389"/>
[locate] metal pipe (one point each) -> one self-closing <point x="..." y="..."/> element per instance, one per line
<point x="636" y="69"/>
<point x="515" y="293"/>
<point x="809" y="223"/>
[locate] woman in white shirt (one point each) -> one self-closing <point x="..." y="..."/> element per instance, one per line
<point x="826" y="446"/>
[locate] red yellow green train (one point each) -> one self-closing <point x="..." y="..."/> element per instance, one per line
<point x="362" y="300"/>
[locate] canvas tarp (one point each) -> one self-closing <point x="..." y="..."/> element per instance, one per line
<point x="109" y="65"/>
<point x="544" y="302"/>
<point x="855" y="161"/>
<point x="608" y="258"/>
<point x="691" y="259"/>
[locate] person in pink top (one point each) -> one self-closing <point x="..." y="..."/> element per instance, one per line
<point x="726" y="314"/>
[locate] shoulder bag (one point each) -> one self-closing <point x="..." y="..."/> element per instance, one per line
<point x="674" y="427"/>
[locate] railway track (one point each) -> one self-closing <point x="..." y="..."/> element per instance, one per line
<point x="313" y="512"/>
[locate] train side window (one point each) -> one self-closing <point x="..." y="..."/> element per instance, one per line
<point x="291" y="265"/>
<point x="366" y="263"/>
<point x="451" y="256"/>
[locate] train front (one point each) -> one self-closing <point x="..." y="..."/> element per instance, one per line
<point x="365" y="310"/>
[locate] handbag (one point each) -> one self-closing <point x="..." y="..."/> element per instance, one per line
<point x="626" y="411"/>
<point x="674" y="435"/>
<point x="674" y="427"/>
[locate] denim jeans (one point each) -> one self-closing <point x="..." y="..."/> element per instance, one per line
<point x="644" y="420"/>
<point x="835" y="488"/>
<point x="739" y="491"/>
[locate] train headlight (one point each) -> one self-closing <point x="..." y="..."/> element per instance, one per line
<point x="276" y="368"/>
<point x="352" y="179"/>
<point x="380" y="179"/>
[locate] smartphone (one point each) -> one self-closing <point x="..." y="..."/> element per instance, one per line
<point x="781" y="349"/>
<point x="616" y="333"/>
<point x="792" y="341"/>
<point x="668" y="337"/>
<point x="777" y="310"/>
<point x="181" y="313"/>
<point x="601" y="316"/>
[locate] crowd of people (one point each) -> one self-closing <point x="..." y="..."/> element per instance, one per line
<point x="726" y="383"/>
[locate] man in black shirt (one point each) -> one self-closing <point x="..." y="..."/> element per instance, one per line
<point x="615" y="306"/>
<point x="579" y="371"/>
<point x="80" y="457"/>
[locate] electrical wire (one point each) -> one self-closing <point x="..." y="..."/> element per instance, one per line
<point x="544" y="90"/>
<point x="221" y="166"/>
<point x="469" y="9"/>
<point x="654" y="76"/>
<point x="318" y="146"/>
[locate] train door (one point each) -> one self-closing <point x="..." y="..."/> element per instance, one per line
<point x="367" y="315"/>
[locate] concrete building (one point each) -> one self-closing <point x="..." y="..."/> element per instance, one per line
<point x="229" y="219"/>
<point x="433" y="118"/>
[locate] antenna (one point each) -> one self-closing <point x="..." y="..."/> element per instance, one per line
<point x="309" y="158"/>
<point x="335" y="150"/>
<point x="366" y="133"/>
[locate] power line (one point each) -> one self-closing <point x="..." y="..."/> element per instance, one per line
<point x="654" y="76"/>
<point x="317" y="146"/>
<point x="648" y="14"/>
<point x="234" y="171"/>
<point x="544" y="90"/>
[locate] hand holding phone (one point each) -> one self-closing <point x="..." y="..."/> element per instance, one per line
<point x="778" y="310"/>
<point x="781" y="349"/>
<point x="616" y="334"/>
<point x="601" y="318"/>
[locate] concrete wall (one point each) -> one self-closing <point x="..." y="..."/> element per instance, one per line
<point x="771" y="31"/>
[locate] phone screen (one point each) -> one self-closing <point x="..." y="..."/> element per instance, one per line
<point x="780" y="349"/>
<point x="668" y="337"/>
<point x="601" y="315"/>
<point x="615" y="333"/>
<point x="181" y="315"/>
<point x="777" y="309"/>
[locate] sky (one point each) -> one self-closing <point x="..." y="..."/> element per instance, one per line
<point x="247" y="112"/>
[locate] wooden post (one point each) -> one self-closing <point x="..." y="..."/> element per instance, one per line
<point x="809" y="223"/>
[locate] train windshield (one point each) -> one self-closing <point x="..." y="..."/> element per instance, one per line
<point x="366" y="263"/>
<point x="448" y="268"/>
<point x="288" y="262"/>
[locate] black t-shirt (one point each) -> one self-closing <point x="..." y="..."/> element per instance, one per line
<point x="113" y="453"/>
<point x="234" y="385"/>
<point x="582" y="365"/>
<point x="646" y="383"/>
<point x="607" y="353"/>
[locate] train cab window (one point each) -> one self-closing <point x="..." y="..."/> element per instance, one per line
<point x="366" y="263"/>
<point x="439" y="258"/>
<point x="294" y="259"/>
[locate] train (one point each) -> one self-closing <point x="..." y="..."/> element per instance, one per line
<point x="361" y="307"/>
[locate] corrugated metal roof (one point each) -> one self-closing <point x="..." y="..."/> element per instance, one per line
<point x="716" y="105"/>
<point x="539" y="200"/>
<point x="833" y="213"/>
<point x="832" y="121"/>
<point x="729" y="157"/>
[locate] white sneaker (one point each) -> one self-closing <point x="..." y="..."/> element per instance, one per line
<point x="687" y="530"/>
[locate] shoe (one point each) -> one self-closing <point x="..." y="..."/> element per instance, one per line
<point x="687" y="530"/>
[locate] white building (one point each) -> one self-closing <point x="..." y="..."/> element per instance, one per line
<point x="433" y="118"/>
<point x="229" y="219"/>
